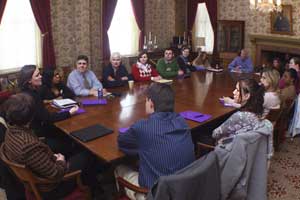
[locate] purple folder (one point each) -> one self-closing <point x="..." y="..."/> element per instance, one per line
<point x="89" y="102"/>
<point x="200" y="68"/>
<point x="195" y="116"/>
<point x="79" y="111"/>
<point x="225" y="104"/>
<point x="123" y="130"/>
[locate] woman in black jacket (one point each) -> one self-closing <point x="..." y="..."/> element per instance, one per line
<point x="53" y="87"/>
<point x="30" y="81"/>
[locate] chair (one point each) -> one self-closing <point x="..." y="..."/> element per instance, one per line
<point x="199" y="180"/>
<point x="287" y="115"/>
<point x="125" y="184"/>
<point x="243" y="164"/>
<point x="4" y="95"/>
<point x="31" y="182"/>
<point x="205" y="147"/>
<point x="275" y="117"/>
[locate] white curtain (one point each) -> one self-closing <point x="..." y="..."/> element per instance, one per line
<point x="123" y="32"/>
<point x="203" y="28"/>
<point x="20" y="37"/>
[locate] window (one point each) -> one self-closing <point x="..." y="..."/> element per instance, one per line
<point x="203" y="27"/>
<point x="19" y="36"/>
<point x="123" y="32"/>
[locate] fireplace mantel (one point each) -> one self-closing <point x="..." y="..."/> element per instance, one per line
<point x="272" y="43"/>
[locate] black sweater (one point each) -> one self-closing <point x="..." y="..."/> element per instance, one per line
<point x="42" y="117"/>
<point x="47" y="94"/>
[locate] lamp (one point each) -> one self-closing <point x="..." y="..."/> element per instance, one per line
<point x="266" y="5"/>
<point x="200" y="42"/>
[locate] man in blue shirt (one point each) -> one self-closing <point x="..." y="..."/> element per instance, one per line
<point x="83" y="81"/>
<point x="163" y="141"/>
<point x="242" y="63"/>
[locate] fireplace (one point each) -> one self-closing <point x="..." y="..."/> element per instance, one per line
<point x="265" y="48"/>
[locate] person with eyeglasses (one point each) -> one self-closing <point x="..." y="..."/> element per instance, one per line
<point x="53" y="86"/>
<point x="83" y="81"/>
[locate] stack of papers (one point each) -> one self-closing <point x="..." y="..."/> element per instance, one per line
<point x="215" y="69"/>
<point x="164" y="81"/>
<point x="64" y="103"/>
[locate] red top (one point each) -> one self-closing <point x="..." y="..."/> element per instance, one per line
<point x="144" y="74"/>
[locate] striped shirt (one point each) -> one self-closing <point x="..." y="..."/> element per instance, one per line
<point x="163" y="143"/>
<point x="23" y="147"/>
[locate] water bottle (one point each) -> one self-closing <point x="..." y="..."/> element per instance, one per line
<point x="100" y="93"/>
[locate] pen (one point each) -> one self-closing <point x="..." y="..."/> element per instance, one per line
<point x="197" y="116"/>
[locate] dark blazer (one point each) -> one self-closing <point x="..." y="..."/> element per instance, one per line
<point x="184" y="66"/>
<point x="199" y="180"/>
<point x="42" y="117"/>
<point x="109" y="71"/>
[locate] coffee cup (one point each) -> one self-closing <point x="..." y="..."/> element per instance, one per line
<point x="130" y="84"/>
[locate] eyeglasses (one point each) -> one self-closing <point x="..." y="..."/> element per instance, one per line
<point x="81" y="63"/>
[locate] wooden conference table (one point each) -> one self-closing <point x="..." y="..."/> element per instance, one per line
<point x="199" y="93"/>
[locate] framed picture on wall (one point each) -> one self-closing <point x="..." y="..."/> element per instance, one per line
<point x="282" y="22"/>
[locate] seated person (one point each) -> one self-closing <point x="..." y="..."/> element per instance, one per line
<point x="14" y="189"/>
<point x="289" y="91"/>
<point x="294" y="64"/>
<point x="22" y="146"/>
<point x="242" y="63"/>
<point x="142" y="70"/>
<point x="83" y="81"/>
<point x="277" y="65"/>
<point x="250" y="95"/>
<point x="115" y="74"/>
<point x="163" y="141"/>
<point x="201" y="60"/>
<point x="30" y="80"/>
<point x="183" y="61"/>
<point x="167" y="67"/>
<point x="269" y="80"/>
<point x="53" y="86"/>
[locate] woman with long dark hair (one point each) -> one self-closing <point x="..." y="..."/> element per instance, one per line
<point x="53" y="87"/>
<point x="250" y="95"/>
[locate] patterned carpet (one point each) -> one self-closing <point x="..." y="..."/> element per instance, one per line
<point x="284" y="175"/>
<point x="284" y="172"/>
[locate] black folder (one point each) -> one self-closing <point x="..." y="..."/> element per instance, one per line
<point x="91" y="132"/>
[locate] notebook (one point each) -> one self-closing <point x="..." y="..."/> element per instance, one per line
<point x="89" y="102"/>
<point x="195" y="116"/>
<point x="91" y="132"/>
<point x="64" y="103"/>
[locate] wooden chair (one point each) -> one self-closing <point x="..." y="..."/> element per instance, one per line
<point x="31" y="182"/>
<point x="275" y="116"/>
<point x="286" y="116"/>
<point x="125" y="184"/>
<point x="203" y="146"/>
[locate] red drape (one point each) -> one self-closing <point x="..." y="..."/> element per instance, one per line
<point x="41" y="11"/>
<point x="212" y="11"/>
<point x="139" y="13"/>
<point x="2" y="6"/>
<point x="108" y="13"/>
